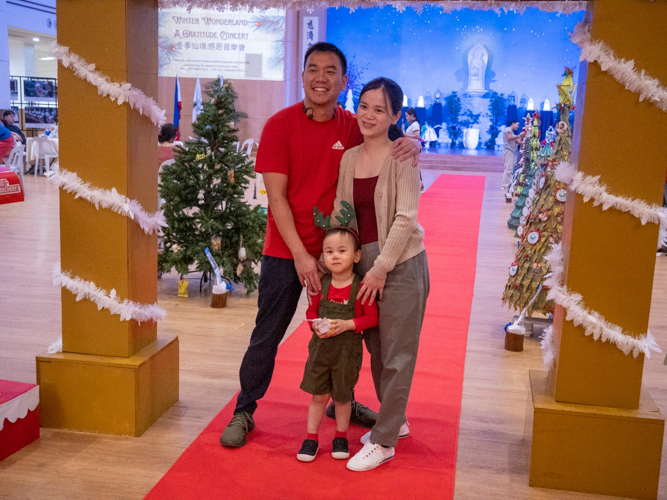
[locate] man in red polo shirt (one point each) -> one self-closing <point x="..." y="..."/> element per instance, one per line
<point x="299" y="155"/>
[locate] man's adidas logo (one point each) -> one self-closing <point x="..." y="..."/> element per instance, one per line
<point x="338" y="145"/>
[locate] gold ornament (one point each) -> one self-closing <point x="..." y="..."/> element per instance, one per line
<point x="200" y="157"/>
<point x="230" y="176"/>
<point x="216" y="243"/>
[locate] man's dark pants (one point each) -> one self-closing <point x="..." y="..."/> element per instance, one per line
<point x="279" y="292"/>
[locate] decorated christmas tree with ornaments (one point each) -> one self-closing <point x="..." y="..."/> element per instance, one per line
<point x="538" y="180"/>
<point x="530" y="166"/>
<point x="203" y="191"/>
<point x="544" y="224"/>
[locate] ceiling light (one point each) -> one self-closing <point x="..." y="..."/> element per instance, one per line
<point x="35" y="39"/>
<point x="47" y="58"/>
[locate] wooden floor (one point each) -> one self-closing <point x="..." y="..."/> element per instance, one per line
<point x="492" y="460"/>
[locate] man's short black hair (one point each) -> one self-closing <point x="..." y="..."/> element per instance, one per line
<point x="326" y="47"/>
<point x="8" y="112"/>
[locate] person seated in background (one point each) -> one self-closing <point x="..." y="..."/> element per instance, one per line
<point x="165" y="141"/>
<point x="9" y="119"/>
<point x="7" y="142"/>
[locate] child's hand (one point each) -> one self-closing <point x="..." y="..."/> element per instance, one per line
<point x="321" y="327"/>
<point x="339" y="326"/>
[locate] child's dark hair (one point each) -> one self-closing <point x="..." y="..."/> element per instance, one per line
<point x="326" y="47"/>
<point x="347" y="231"/>
<point x="393" y="95"/>
<point x="168" y="133"/>
<point x="511" y="122"/>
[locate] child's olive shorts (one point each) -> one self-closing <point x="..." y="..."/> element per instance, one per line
<point x="333" y="366"/>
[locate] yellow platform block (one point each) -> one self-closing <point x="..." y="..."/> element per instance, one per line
<point x="594" y="449"/>
<point x="110" y="395"/>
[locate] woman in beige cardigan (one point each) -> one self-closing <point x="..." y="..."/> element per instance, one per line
<point x="385" y="196"/>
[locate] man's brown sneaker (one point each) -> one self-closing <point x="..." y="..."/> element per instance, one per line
<point x="361" y="415"/>
<point x="234" y="435"/>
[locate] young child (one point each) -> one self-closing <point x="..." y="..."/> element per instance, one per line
<point x="335" y="351"/>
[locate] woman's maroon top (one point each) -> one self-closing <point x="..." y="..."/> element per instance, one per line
<point x="364" y="206"/>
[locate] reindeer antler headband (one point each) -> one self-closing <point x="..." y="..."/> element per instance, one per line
<point x="346" y="216"/>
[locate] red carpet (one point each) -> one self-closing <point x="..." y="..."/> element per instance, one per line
<point x="424" y="466"/>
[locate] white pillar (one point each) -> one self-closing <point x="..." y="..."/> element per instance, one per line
<point x="29" y="57"/>
<point x="4" y="57"/>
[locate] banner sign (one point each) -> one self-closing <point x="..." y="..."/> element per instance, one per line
<point x="40" y="117"/>
<point x="237" y="44"/>
<point x="310" y="33"/>
<point x="39" y="90"/>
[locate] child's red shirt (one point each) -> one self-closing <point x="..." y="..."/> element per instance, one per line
<point x="365" y="316"/>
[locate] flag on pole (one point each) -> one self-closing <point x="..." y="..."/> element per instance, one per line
<point x="197" y="102"/>
<point x="177" y="108"/>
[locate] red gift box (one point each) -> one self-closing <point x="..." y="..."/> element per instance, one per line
<point x="19" y="416"/>
<point x="11" y="189"/>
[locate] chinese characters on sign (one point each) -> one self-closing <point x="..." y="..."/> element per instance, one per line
<point x="310" y="33"/>
<point x="209" y="43"/>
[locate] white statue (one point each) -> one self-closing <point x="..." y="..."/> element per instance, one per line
<point x="478" y="58"/>
<point x="429" y="136"/>
<point x="500" y="140"/>
<point x="443" y="136"/>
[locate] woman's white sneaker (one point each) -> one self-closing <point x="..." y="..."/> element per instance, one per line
<point x="369" y="457"/>
<point x="402" y="434"/>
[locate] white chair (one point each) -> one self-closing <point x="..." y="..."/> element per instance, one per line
<point x="237" y="144"/>
<point x="15" y="161"/>
<point x="43" y="151"/>
<point x="246" y="148"/>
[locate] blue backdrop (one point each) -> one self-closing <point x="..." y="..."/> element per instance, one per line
<point x="428" y="52"/>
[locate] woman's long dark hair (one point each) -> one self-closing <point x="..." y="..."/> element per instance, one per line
<point x="413" y="112"/>
<point x="168" y="133"/>
<point x="393" y="94"/>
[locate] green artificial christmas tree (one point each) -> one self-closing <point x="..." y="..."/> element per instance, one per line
<point x="531" y="148"/>
<point x="544" y="225"/>
<point x="204" y="204"/>
<point x="536" y="185"/>
<point x="525" y="156"/>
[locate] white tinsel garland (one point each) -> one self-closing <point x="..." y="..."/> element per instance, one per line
<point x="590" y="188"/>
<point x="122" y="92"/>
<point x="110" y="199"/>
<point x="562" y="7"/>
<point x="623" y="71"/>
<point x="594" y="324"/>
<point x="547" y="345"/>
<point x="57" y="346"/>
<point x="127" y="309"/>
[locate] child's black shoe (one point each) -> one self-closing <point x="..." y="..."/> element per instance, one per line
<point x="309" y="450"/>
<point x="341" y="449"/>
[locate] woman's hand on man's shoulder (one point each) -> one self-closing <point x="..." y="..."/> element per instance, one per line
<point x="405" y="149"/>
